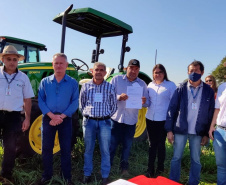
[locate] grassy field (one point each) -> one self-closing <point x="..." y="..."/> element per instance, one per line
<point x="28" y="171"/>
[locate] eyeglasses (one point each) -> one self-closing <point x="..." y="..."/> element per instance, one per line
<point x="208" y="80"/>
<point x="160" y="72"/>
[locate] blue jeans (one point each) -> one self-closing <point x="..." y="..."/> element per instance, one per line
<point x="219" y="144"/>
<point x="122" y="133"/>
<point x="195" y="150"/>
<point x="102" y="130"/>
<point x="48" y="137"/>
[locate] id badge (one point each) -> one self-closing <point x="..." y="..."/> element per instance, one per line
<point x="98" y="97"/>
<point x="8" y="92"/>
<point x="194" y="106"/>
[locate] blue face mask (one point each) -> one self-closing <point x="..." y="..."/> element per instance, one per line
<point x="194" y="77"/>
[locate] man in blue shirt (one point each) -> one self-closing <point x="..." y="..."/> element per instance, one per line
<point x="58" y="100"/>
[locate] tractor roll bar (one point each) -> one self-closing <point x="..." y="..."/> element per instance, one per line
<point x="64" y="27"/>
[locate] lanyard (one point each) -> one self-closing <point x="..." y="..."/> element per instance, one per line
<point x="9" y="82"/>
<point x="194" y="96"/>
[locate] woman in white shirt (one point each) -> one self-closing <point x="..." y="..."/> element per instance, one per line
<point x="160" y="92"/>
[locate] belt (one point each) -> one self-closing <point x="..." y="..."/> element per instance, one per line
<point x="98" y="118"/>
<point x="224" y="128"/>
<point x="5" y="111"/>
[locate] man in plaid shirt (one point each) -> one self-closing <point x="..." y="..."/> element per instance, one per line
<point x="97" y="104"/>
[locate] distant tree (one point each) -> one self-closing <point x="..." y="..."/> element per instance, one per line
<point x="220" y="72"/>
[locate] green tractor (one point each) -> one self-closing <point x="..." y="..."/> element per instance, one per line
<point x="87" y="21"/>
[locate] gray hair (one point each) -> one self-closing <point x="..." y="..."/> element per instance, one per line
<point x="99" y="64"/>
<point x="60" y="55"/>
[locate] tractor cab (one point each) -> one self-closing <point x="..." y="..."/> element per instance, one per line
<point x="31" y="50"/>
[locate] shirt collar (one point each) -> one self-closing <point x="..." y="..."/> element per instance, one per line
<point x="65" y="78"/>
<point x="3" y="70"/>
<point x="164" y="81"/>
<point x="200" y="85"/>
<point x="91" y="81"/>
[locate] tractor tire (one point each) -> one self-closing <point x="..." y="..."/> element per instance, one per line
<point x="29" y="142"/>
<point x="141" y="133"/>
<point x="24" y="149"/>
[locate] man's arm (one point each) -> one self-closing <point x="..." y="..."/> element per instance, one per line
<point x="113" y="101"/>
<point x="213" y="123"/>
<point x="82" y="99"/>
<point x="27" y="110"/>
<point x="74" y="102"/>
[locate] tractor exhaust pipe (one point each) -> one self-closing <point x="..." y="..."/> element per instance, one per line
<point x="64" y="27"/>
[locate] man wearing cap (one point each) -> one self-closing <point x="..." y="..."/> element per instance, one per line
<point x="58" y="100"/>
<point x="125" y="119"/>
<point x="97" y="104"/>
<point x="15" y="93"/>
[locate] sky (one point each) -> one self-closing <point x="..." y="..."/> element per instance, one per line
<point x="180" y="30"/>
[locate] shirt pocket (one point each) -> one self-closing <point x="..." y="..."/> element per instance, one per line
<point x="17" y="90"/>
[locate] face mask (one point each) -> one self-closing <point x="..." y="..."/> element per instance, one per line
<point x="194" y="77"/>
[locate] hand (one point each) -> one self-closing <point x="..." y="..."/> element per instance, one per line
<point x="170" y="137"/>
<point x="143" y="100"/>
<point x="123" y="97"/>
<point x="212" y="129"/>
<point x="204" y="141"/>
<point x="55" y="120"/>
<point x="25" y="125"/>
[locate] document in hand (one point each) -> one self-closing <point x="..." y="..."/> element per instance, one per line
<point x="134" y="93"/>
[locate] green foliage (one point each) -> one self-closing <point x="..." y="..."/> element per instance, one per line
<point x="29" y="171"/>
<point x="220" y="72"/>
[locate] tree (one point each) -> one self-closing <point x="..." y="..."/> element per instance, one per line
<point x="220" y="72"/>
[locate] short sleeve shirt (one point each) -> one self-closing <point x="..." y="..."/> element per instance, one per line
<point x="13" y="94"/>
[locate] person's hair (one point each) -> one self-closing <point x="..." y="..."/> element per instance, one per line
<point x="214" y="83"/>
<point x="99" y="64"/>
<point x="60" y="55"/>
<point x="197" y="63"/>
<point x="162" y="68"/>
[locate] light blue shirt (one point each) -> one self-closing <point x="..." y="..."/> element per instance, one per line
<point x="59" y="97"/>
<point x="160" y="95"/>
<point x="124" y="115"/>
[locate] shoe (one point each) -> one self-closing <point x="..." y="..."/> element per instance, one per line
<point x="105" y="181"/>
<point x="42" y="181"/>
<point x="150" y="174"/>
<point x="6" y="181"/>
<point x="159" y="172"/>
<point x="86" y="179"/>
<point x="125" y="173"/>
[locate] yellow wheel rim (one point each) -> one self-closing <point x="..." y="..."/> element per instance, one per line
<point x="35" y="138"/>
<point x="141" y="123"/>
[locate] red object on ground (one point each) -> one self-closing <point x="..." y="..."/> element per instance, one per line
<point x="142" y="180"/>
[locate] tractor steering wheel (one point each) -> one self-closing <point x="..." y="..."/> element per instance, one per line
<point x="79" y="67"/>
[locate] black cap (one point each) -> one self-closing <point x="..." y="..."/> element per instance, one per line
<point x="134" y="62"/>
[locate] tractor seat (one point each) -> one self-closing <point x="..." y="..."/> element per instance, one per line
<point x="109" y="72"/>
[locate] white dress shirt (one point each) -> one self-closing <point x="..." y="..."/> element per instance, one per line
<point x="160" y="95"/>
<point x="221" y="104"/>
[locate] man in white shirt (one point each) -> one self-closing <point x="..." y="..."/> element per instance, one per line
<point x="218" y="134"/>
<point x="15" y="93"/>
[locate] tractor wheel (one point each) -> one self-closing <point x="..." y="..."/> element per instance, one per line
<point x="140" y="133"/>
<point x="24" y="149"/>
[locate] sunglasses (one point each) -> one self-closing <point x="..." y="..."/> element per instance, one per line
<point x="160" y="72"/>
<point x="208" y="80"/>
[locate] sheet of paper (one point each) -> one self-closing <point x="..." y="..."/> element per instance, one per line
<point x="122" y="182"/>
<point x="135" y="94"/>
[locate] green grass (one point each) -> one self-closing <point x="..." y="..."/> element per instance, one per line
<point x="29" y="171"/>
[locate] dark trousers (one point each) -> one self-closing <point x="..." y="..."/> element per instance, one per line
<point x="10" y="124"/>
<point x="48" y="136"/>
<point x="122" y="133"/>
<point x="157" y="138"/>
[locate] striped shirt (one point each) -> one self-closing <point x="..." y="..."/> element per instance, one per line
<point x="97" y="100"/>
